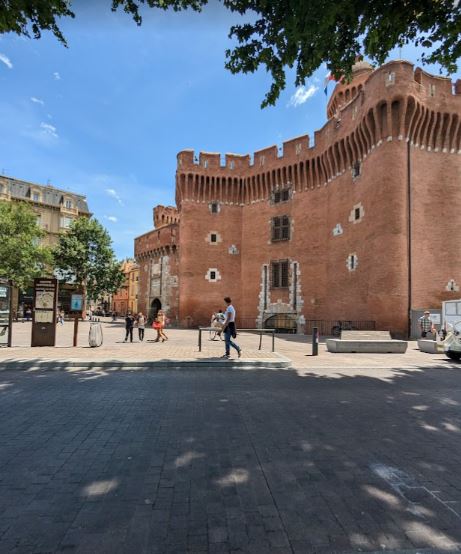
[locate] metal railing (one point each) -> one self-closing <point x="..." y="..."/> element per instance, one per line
<point x="334" y="327"/>
<point x="257" y="331"/>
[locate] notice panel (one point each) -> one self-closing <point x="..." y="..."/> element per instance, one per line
<point x="44" y="312"/>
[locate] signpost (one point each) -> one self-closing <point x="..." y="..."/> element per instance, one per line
<point x="44" y="312"/>
<point x="76" y="305"/>
<point x="6" y="312"/>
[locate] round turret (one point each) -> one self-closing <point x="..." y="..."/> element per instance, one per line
<point x="345" y="92"/>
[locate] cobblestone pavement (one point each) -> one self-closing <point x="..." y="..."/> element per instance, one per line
<point x="230" y="461"/>
<point x="183" y="345"/>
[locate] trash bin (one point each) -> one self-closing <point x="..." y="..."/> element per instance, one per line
<point x="95" y="334"/>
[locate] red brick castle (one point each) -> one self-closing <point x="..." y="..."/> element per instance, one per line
<point x="363" y="225"/>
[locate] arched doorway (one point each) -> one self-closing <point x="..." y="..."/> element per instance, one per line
<point x="282" y="323"/>
<point x="155" y="306"/>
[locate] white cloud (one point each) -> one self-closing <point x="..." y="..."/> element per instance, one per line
<point x="49" y="130"/>
<point x="57" y="76"/>
<point x="302" y="95"/>
<point x="6" y="61"/>
<point x="114" y="194"/>
<point x="37" y="100"/>
<point x="111" y="218"/>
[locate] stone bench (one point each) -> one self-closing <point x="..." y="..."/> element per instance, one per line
<point x="368" y="342"/>
<point x="430" y="346"/>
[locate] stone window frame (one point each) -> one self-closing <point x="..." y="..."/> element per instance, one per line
<point x="281" y="195"/>
<point x="389" y="78"/>
<point x="352" y="261"/>
<point x="280" y="228"/>
<point x="356" y="169"/>
<point x="337" y="230"/>
<point x="280" y="274"/>
<point x="214" y="207"/>
<point x="216" y="275"/>
<point x="357" y="213"/>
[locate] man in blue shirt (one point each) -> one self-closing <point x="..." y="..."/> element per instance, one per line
<point x="229" y="329"/>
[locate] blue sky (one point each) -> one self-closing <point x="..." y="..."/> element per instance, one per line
<point x="107" y="116"/>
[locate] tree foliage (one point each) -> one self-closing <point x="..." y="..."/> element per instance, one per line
<point x="294" y="33"/>
<point x="22" y="257"/>
<point x="84" y="254"/>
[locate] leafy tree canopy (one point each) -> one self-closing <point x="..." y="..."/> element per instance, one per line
<point x="84" y="254"/>
<point x="22" y="257"/>
<point x="292" y="33"/>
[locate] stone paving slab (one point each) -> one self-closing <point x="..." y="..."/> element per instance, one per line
<point x="248" y="461"/>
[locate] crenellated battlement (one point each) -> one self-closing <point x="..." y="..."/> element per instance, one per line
<point x="395" y="102"/>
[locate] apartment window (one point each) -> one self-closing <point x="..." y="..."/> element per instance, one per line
<point x="68" y="204"/>
<point x="66" y="222"/>
<point x="36" y="197"/>
<point x="356" y="169"/>
<point x="281" y="228"/>
<point x="213" y="237"/>
<point x="279" y="272"/>
<point x="281" y="196"/>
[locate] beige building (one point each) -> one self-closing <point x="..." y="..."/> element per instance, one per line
<point x="55" y="208"/>
<point x="126" y="298"/>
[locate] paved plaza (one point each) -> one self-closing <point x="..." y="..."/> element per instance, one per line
<point x="314" y="459"/>
<point x="183" y="345"/>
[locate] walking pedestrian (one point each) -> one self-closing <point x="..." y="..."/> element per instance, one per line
<point x="141" y="321"/>
<point x="159" y="326"/>
<point x="129" y="324"/>
<point x="230" y="332"/>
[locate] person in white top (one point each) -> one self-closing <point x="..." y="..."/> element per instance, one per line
<point x="229" y="329"/>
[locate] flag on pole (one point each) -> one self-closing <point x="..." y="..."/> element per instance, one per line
<point x="329" y="77"/>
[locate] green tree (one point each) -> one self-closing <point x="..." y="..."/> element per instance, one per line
<point x="84" y="255"/>
<point x="22" y="257"/>
<point x="303" y="34"/>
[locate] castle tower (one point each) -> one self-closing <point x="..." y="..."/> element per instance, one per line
<point x="345" y="92"/>
<point x="356" y="227"/>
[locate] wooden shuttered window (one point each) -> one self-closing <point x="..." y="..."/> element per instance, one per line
<point x="279" y="272"/>
<point x="281" y="228"/>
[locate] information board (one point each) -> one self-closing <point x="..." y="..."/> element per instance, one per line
<point x="76" y="302"/>
<point x="6" y="316"/>
<point x="44" y="312"/>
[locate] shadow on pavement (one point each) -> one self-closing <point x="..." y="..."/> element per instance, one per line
<point x="229" y="461"/>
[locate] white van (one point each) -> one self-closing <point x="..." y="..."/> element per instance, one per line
<point x="451" y="322"/>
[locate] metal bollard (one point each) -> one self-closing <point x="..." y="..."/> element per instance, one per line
<point x="315" y="341"/>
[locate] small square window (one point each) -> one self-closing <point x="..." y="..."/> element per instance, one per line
<point x="213" y="237"/>
<point x="285" y="195"/>
<point x="212" y="275"/>
<point x="356" y="169"/>
<point x="276" y="197"/>
<point x="214" y="207"/>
